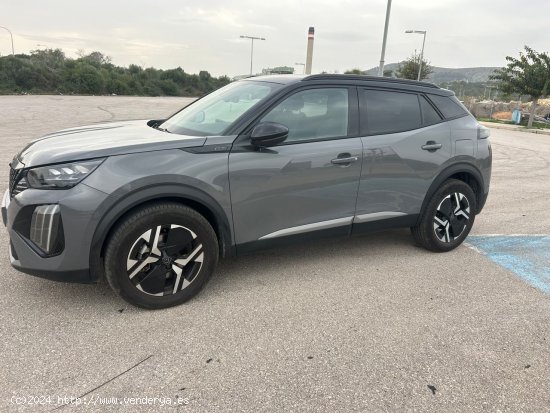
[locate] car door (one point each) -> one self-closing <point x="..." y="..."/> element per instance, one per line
<point x="307" y="183"/>
<point x="405" y="144"/>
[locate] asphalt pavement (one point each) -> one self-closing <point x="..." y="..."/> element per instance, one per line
<point x="368" y="324"/>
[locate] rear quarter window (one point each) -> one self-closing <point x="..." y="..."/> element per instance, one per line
<point x="429" y="114"/>
<point x="449" y="106"/>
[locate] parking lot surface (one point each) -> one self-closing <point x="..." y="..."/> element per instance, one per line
<point x="370" y="324"/>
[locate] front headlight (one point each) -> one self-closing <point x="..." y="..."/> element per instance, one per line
<point x="61" y="176"/>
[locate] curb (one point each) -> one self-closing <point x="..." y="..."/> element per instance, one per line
<point x="494" y="125"/>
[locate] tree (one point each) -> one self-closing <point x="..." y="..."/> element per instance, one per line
<point x="50" y="71"/>
<point x="354" y="72"/>
<point x="528" y="75"/>
<point x="409" y="68"/>
<point x="87" y="79"/>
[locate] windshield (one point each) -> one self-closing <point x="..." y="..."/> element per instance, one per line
<point x="214" y="113"/>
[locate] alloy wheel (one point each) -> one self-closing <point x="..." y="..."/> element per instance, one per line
<point x="451" y="217"/>
<point x="165" y="260"/>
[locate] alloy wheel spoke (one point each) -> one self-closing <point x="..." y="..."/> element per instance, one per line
<point x="440" y="221"/>
<point x="155" y="241"/>
<point x="190" y="257"/>
<point x="457" y="200"/>
<point x="185" y="282"/>
<point x="462" y="213"/>
<point x="149" y="260"/>
<point x="447" y="235"/>
<point x="144" y="238"/>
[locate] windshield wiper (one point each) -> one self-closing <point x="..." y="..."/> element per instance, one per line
<point x="163" y="129"/>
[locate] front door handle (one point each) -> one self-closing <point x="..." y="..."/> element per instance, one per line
<point x="344" y="159"/>
<point x="432" y="146"/>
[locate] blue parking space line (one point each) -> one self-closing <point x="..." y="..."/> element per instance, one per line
<point x="527" y="256"/>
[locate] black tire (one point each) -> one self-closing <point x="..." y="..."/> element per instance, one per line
<point x="158" y="249"/>
<point x="439" y="229"/>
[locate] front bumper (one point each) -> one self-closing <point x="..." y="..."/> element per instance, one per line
<point x="5" y="206"/>
<point x="77" y="208"/>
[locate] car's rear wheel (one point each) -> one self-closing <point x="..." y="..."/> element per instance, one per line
<point x="161" y="255"/>
<point x="447" y="218"/>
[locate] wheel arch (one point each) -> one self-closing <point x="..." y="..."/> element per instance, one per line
<point x="463" y="172"/>
<point x="188" y="196"/>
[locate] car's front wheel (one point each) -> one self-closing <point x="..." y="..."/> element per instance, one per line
<point x="447" y="218"/>
<point x="161" y="255"/>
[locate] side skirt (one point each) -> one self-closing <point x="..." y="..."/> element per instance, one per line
<point x="268" y="243"/>
<point x="343" y="231"/>
<point x="383" y="224"/>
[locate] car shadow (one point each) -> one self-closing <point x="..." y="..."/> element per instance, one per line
<point x="287" y="260"/>
<point x="232" y="274"/>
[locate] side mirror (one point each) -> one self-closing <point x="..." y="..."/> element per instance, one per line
<point x="268" y="134"/>
<point x="155" y="122"/>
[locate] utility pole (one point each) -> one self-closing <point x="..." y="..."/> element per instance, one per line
<point x="382" y="56"/>
<point x="11" y="35"/>
<point x="252" y="38"/>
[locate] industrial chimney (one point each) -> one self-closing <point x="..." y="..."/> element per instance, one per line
<point x="309" y="56"/>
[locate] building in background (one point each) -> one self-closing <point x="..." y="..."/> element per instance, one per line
<point x="279" y="70"/>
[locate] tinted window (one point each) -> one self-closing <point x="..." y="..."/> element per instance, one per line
<point x="429" y="114"/>
<point x="313" y="114"/>
<point x="390" y="112"/>
<point x="448" y="106"/>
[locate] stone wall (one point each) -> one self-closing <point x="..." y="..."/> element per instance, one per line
<point x="484" y="109"/>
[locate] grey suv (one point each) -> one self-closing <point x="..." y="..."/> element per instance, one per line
<point x="152" y="204"/>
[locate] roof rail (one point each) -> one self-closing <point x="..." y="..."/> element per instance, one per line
<point x="369" y="78"/>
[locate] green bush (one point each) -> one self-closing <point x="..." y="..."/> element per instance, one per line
<point x="50" y="71"/>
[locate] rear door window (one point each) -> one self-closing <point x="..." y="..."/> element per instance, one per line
<point x="391" y="112"/>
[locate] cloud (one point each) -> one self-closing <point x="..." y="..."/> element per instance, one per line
<point x="204" y="34"/>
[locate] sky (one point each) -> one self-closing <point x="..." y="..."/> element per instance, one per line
<point x="204" y="35"/>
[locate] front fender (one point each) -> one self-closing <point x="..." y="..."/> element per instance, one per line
<point x="176" y="175"/>
<point x="114" y="208"/>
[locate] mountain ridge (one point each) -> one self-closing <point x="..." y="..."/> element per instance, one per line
<point x="447" y="74"/>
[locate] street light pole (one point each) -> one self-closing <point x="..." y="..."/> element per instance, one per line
<point x="252" y="38"/>
<point x="421" y="56"/>
<point x="303" y="66"/>
<point x="382" y="56"/>
<point x="11" y="35"/>
<point x="422" y="51"/>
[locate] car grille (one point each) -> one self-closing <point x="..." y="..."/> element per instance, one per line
<point x="18" y="183"/>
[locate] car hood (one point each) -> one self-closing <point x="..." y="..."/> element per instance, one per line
<point x="105" y="139"/>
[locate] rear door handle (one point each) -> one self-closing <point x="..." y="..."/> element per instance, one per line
<point x="432" y="146"/>
<point x="344" y="159"/>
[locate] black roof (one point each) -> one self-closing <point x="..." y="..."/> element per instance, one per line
<point x="389" y="82"/>
<point x="365" y="78"/>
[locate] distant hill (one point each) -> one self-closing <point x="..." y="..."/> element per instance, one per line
<point x="446" y="75"/>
